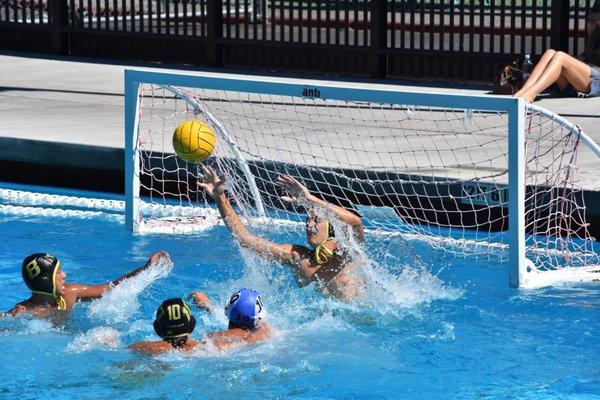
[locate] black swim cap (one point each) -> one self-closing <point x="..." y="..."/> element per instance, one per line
<point x="38" y="271"/>
<point x="174" y="319"/>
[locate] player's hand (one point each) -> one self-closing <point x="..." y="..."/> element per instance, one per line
<point x="158" y="257"/>
<point x="211" y="183"/>
<point x="200" y="300"/>
<point x="298" y="193"/>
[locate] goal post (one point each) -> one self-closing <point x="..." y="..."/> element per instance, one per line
<point x="516" y="190"/>
<point x="132" y="188"/>
<point x="482" y="176"/>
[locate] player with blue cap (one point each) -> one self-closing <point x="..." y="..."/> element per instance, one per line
<point x="246" y="315"/>
<point x="174" y="323"/>
<point x="245" y="309"/>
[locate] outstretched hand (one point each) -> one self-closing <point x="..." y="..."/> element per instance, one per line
<point x="158" y="257"/>
<point x="298" y="193"/>
<point x="211" y="183"/>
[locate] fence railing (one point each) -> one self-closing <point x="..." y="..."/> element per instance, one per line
<point x="445" y="39"/>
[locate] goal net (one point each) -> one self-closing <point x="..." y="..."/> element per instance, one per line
<point x="434" y="174"/>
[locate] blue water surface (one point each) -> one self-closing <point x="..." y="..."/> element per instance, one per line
<point x="434" y="327"/>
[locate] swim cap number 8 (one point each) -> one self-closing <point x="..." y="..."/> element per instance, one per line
<point x="39" y="273"/>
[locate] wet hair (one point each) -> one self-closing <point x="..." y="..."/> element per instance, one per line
<point x="593" y="16"/>
<point x="178" y="342"/>
<point x="331" y="231"/>
<point x="174" y="321"/>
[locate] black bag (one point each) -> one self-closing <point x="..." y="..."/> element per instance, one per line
<point x="509" y="81"/>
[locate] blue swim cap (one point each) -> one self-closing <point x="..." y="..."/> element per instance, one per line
<point x="245" y="308"/>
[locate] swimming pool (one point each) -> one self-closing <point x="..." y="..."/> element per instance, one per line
<point x="437" y="328"/>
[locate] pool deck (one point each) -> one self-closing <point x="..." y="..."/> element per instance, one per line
<point x="73" y="111"/>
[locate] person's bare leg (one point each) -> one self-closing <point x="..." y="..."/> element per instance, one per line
<point x="562" y="82"/>
<point x="537" y="72"/>
<point x="562" y="65"/>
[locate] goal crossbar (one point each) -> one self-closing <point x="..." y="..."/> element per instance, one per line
<point x="185" y="86"/>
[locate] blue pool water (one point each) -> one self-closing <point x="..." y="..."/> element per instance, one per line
<point x="435" y="328"/>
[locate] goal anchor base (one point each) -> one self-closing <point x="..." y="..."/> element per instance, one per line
<point x="534" y="278"/>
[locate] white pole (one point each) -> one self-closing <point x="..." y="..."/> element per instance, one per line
<point x="132" y="164"/>
<point x="516" y="192"/>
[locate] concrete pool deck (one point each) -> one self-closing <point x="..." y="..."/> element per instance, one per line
<point x="65" y="114"/>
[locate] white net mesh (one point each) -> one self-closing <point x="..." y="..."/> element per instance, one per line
<point x="437" y="175"/>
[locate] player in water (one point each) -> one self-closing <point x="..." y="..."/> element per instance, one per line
<point x="52" y="296"/>
<point x="174" y="323"/>
<point x="325" y="262"/>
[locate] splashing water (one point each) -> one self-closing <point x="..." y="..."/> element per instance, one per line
<point x="100" y="337"/>
<point x="25" y="324"/>
<point x="121" y="301"/>
<point x="258" y="274"/>
<point x="414" y="285"/>
<point x="396" y="283"/>
<point x="410" y="336"/>
<point x="397" y="278"/>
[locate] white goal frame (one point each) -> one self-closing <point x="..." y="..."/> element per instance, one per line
<point x="514" y="108"/>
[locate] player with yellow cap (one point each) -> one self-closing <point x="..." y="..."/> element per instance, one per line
<point x="326" y="262"/>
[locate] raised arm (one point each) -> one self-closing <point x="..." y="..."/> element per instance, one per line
<point x="215" y="188"/>
<point x="299" y="194"/>
<point x="85" y="292"/>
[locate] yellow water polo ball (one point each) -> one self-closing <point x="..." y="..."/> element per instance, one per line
<point x="193" y="141"/>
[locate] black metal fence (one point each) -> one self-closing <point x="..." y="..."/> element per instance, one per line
<point x="440" y="39"/>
